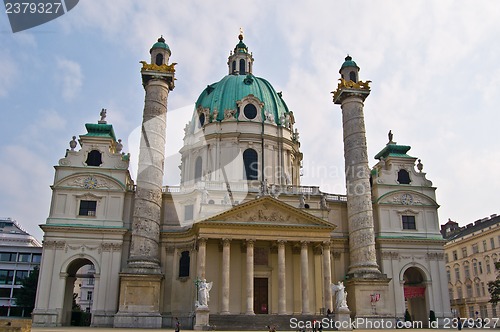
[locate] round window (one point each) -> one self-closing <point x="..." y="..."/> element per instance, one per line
<point x="250" y="111"/>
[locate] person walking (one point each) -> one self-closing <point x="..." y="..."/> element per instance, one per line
<point x="177" y="325"/>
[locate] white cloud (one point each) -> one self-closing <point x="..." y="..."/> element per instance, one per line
<point x="8" y="77"/>
<point x="70" y="78"/>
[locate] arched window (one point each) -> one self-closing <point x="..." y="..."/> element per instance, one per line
<point x="250" y="111"/>
<point x="233" y="67"/>
<point x="403" y="177"/>
<point x="184" y="263"/>
<point x="251" y="164"/>
<point x="159" y="59"/>
<point x="242" y="67"/>
<point x="352" y="76"/>
<point x="197" y="169"/>
<point x="94" y="158"/>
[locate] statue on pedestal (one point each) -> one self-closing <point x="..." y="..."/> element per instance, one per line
<point x="340" y="296"/>
<point x="204" y="292"/>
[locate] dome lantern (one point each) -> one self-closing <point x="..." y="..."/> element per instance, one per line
<point x="240" y="62"/>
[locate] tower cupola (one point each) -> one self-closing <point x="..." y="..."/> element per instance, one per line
<point x="240" y="62"/>
<point x="160" y="52"/>
<point x="349" y="70"/>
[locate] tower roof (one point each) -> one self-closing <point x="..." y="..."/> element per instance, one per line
<point x="349" y="63"/>
<point x="160" y="44"/>
<point x="100" y="130"/>
<point x="394" y="150"/>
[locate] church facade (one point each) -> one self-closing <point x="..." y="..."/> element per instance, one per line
<point x="240" y="218"/>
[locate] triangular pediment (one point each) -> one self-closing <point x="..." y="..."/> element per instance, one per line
<point x="271" y="212"/>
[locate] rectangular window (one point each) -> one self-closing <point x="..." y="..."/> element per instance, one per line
<point x="482" y="288"/>
<point x="488" y="268"/>
<point x="8" y="256"/>
<point x="36" y="258"/>
<point x="469" y="291"/>
<point x="20" y="275"/>
<point x="474" y="266"/>
<point x="480" y="265"/>
<point x="89" y="296"/>
<point x="471" y="311"/>
<point x="450" y="291"/>
<point x="5" y="292"/>
<point x="6" y="277"/>
<point x="90" y="281"/>
<point x="446" y="260"/>
<point x="455" y="255"/>
<point x="466" y="271"/>
<point x="459" y="292"/>
<point x="475" y="248"/>
<point x="188" y="212"/>
<point x="478" y="290"/>
<point x="448" y="275"/>
<point x="484" y="246"/>
<point x="464" y="252"/>
<point x="457" y="273"/>
<point x="87" y="208"/>
<point x="23" y="257"/>
<point x="483" y="311"/>
<point x="492" y="243"/>
<point x="409" y="222"/>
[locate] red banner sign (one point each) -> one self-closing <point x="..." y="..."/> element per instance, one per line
<point x="414" y="291"/>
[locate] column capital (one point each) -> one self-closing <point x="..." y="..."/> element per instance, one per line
<point x="226" y="242"/>
<point x="250" y="242"/>
<point x="318" y="249"/>
<point x="304" y="244"/>
<point x="281" y="243"/>
<point x="326" y="244"/>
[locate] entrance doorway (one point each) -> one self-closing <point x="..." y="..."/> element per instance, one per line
<point x="414" y="292"/>
<point x="78" y="295"/>
<point x="260" y="296"/>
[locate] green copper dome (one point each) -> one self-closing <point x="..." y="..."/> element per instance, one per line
<point x="160" y="44"/>
<point x="224" y="94"/>
<point x="349" y="63"/>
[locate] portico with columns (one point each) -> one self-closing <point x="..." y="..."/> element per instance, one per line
<point x="282" y="267"/>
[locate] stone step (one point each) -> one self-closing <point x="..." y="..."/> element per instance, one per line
<point x="257" y="322"/>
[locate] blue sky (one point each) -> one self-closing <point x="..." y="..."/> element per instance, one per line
<point x="434" y="67"/>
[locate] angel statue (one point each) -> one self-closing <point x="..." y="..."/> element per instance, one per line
<point x="341" y="295"/>
<point x="204" y="292"/>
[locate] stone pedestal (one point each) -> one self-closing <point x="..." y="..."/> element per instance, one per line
<point x="360" y="290"/>
<point x="139" y="304"/>
<point x="202" y="315"/>
<point x="343" y="318"/>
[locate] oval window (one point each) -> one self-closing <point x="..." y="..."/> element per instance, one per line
<point x="250" y="111"/>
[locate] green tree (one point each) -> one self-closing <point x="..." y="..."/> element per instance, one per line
<point x="494" y="287"/>
<point x="26" y="295"/>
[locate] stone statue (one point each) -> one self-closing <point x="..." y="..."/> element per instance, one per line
<point x="341" y="295"/>
<point x="204" y="292"/>
<point x="390" y="136"/>
<point x="72" y="143"/>
<point x="103" y="116"/>
<point x="302" y="201"/>
<point x="322" y="202"/>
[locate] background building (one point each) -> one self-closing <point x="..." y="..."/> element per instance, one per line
<point x="240" y="217"/>
<point x="471" y="252"/>
<point x="19" y="254"/>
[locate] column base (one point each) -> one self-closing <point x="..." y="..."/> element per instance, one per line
<point x="343" y="319"/>
<point x="139" y="303"/>
<point x="360" y="289"/>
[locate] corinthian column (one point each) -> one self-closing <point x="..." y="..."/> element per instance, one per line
<point x="250" y="274"/>
<point x="202" y="254"/>
<point x="327" y="275"/>
<point x="304" y="275"/>
<point x="281" y="278"/>
<point x="226" y="252"/>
